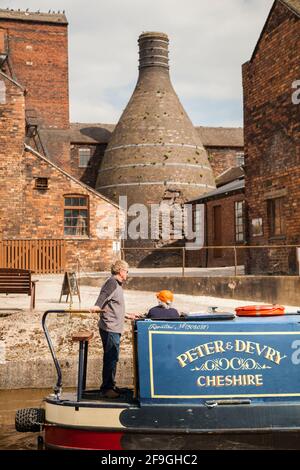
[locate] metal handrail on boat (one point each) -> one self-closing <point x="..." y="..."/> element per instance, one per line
<point x="58" y="387"/>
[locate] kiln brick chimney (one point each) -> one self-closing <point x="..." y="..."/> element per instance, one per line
<point x="155" y="151"/>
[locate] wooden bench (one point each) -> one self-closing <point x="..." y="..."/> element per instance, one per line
<point x="17" y="281"/>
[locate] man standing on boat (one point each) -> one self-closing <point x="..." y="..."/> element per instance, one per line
<point x="111" y="306"/>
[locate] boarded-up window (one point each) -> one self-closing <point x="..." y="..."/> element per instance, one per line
<point x="2" y="92"/>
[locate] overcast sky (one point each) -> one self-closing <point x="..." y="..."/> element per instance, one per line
<point x="209" y="41"/>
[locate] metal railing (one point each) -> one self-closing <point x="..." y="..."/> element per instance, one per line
<point x="269" y="259"/>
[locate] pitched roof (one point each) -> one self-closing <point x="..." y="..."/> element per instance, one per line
<point x="221" y="136"/>
<point x="210" y="136"/>
<point x="34" y="16"/>
<point x="85" y="186"/>
<point x="232" y="174"/>
<point x="12" y="80"/>
<point x="293" y="5"/>
<point x="227" y="189"/>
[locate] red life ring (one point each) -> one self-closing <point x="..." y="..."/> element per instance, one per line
<point x="260" y="311"/>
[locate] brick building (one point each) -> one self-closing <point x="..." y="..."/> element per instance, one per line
<point x="36" y="49"/>
<point x="225" y="147"/>
<point x="260" y="208"/>
<point x="272" y="142"/>
<point x="45" y="158"/>
<point x="41" y="200"/>
<point x="224" y="222"/>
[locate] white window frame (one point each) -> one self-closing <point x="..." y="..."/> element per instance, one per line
<point x="88" y="154"/>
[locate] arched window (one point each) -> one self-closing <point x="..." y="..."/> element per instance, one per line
<point x="2" y="92"/>
<point x="76" y="216"/>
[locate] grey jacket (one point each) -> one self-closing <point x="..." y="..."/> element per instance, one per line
<point x="111" y="299"/>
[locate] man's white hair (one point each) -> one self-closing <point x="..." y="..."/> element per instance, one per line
<point x="118" y="265"/>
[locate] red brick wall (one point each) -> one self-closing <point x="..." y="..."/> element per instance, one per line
<point x="2" y="41"/>
<point x="207" y="258"/>
<point x="87" y="175"/>
<point x="272" y="132"/>
<point x="43" y="215"/>
<point x="12" y="134"/>
<point x="26" y="212"/>
<point x="38" y="55"/>
<point x="223" y="158"/>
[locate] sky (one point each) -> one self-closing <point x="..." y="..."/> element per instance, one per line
<point x="209" y="42"/>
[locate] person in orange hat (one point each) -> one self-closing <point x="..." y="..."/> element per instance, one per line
<point x="164" y="309"/>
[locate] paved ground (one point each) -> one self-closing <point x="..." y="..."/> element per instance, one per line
<point x="49" y="288"/>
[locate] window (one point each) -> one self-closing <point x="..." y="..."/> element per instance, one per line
<point x="257" y="227"/>
<point x="84" y="157"/>
<point x="41" y="183"/>
<point x="239" y="221"/>
<point x="76" y="215"/>
<point x="197" y="220"/>
<point x="276" y="217"/>
<point x="240" y="159"/>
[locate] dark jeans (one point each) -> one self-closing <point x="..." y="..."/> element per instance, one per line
<point x="111" y="348"/>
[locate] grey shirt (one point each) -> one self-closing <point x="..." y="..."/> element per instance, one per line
<point x="111" y="299"/>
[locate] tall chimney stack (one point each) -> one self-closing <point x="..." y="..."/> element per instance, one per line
<point x="155" y="153"/>
<point x="154" y="50"/>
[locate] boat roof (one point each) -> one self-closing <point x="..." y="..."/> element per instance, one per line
<point x="288" y="318"/>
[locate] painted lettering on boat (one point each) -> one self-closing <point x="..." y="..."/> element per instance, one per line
<point x="207" y="351"/>
<point x="221" y="347"/>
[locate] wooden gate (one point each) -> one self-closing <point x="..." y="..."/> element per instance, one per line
<point x="40" y="256"/>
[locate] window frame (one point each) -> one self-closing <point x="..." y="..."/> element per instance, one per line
<point x="240" y="159"/>
<point x="272" y="216"/>
<point x="239" y="220"/>
<point x="3" y="92"/>
<point x="80" y="165"/>
<point x="85" y="207"/>
<point x="41" y="187"/>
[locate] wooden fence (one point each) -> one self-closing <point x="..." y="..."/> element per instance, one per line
<point x="40" y="256"/>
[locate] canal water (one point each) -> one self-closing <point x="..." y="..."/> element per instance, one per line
<point x="10" y="401"/>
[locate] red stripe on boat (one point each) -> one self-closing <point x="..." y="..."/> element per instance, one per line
<point x="82" y="439"/>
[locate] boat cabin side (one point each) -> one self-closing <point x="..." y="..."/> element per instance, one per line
<point x="197" y="362"/>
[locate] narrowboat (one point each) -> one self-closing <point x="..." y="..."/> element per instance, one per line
<point x="204" y="374"/>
